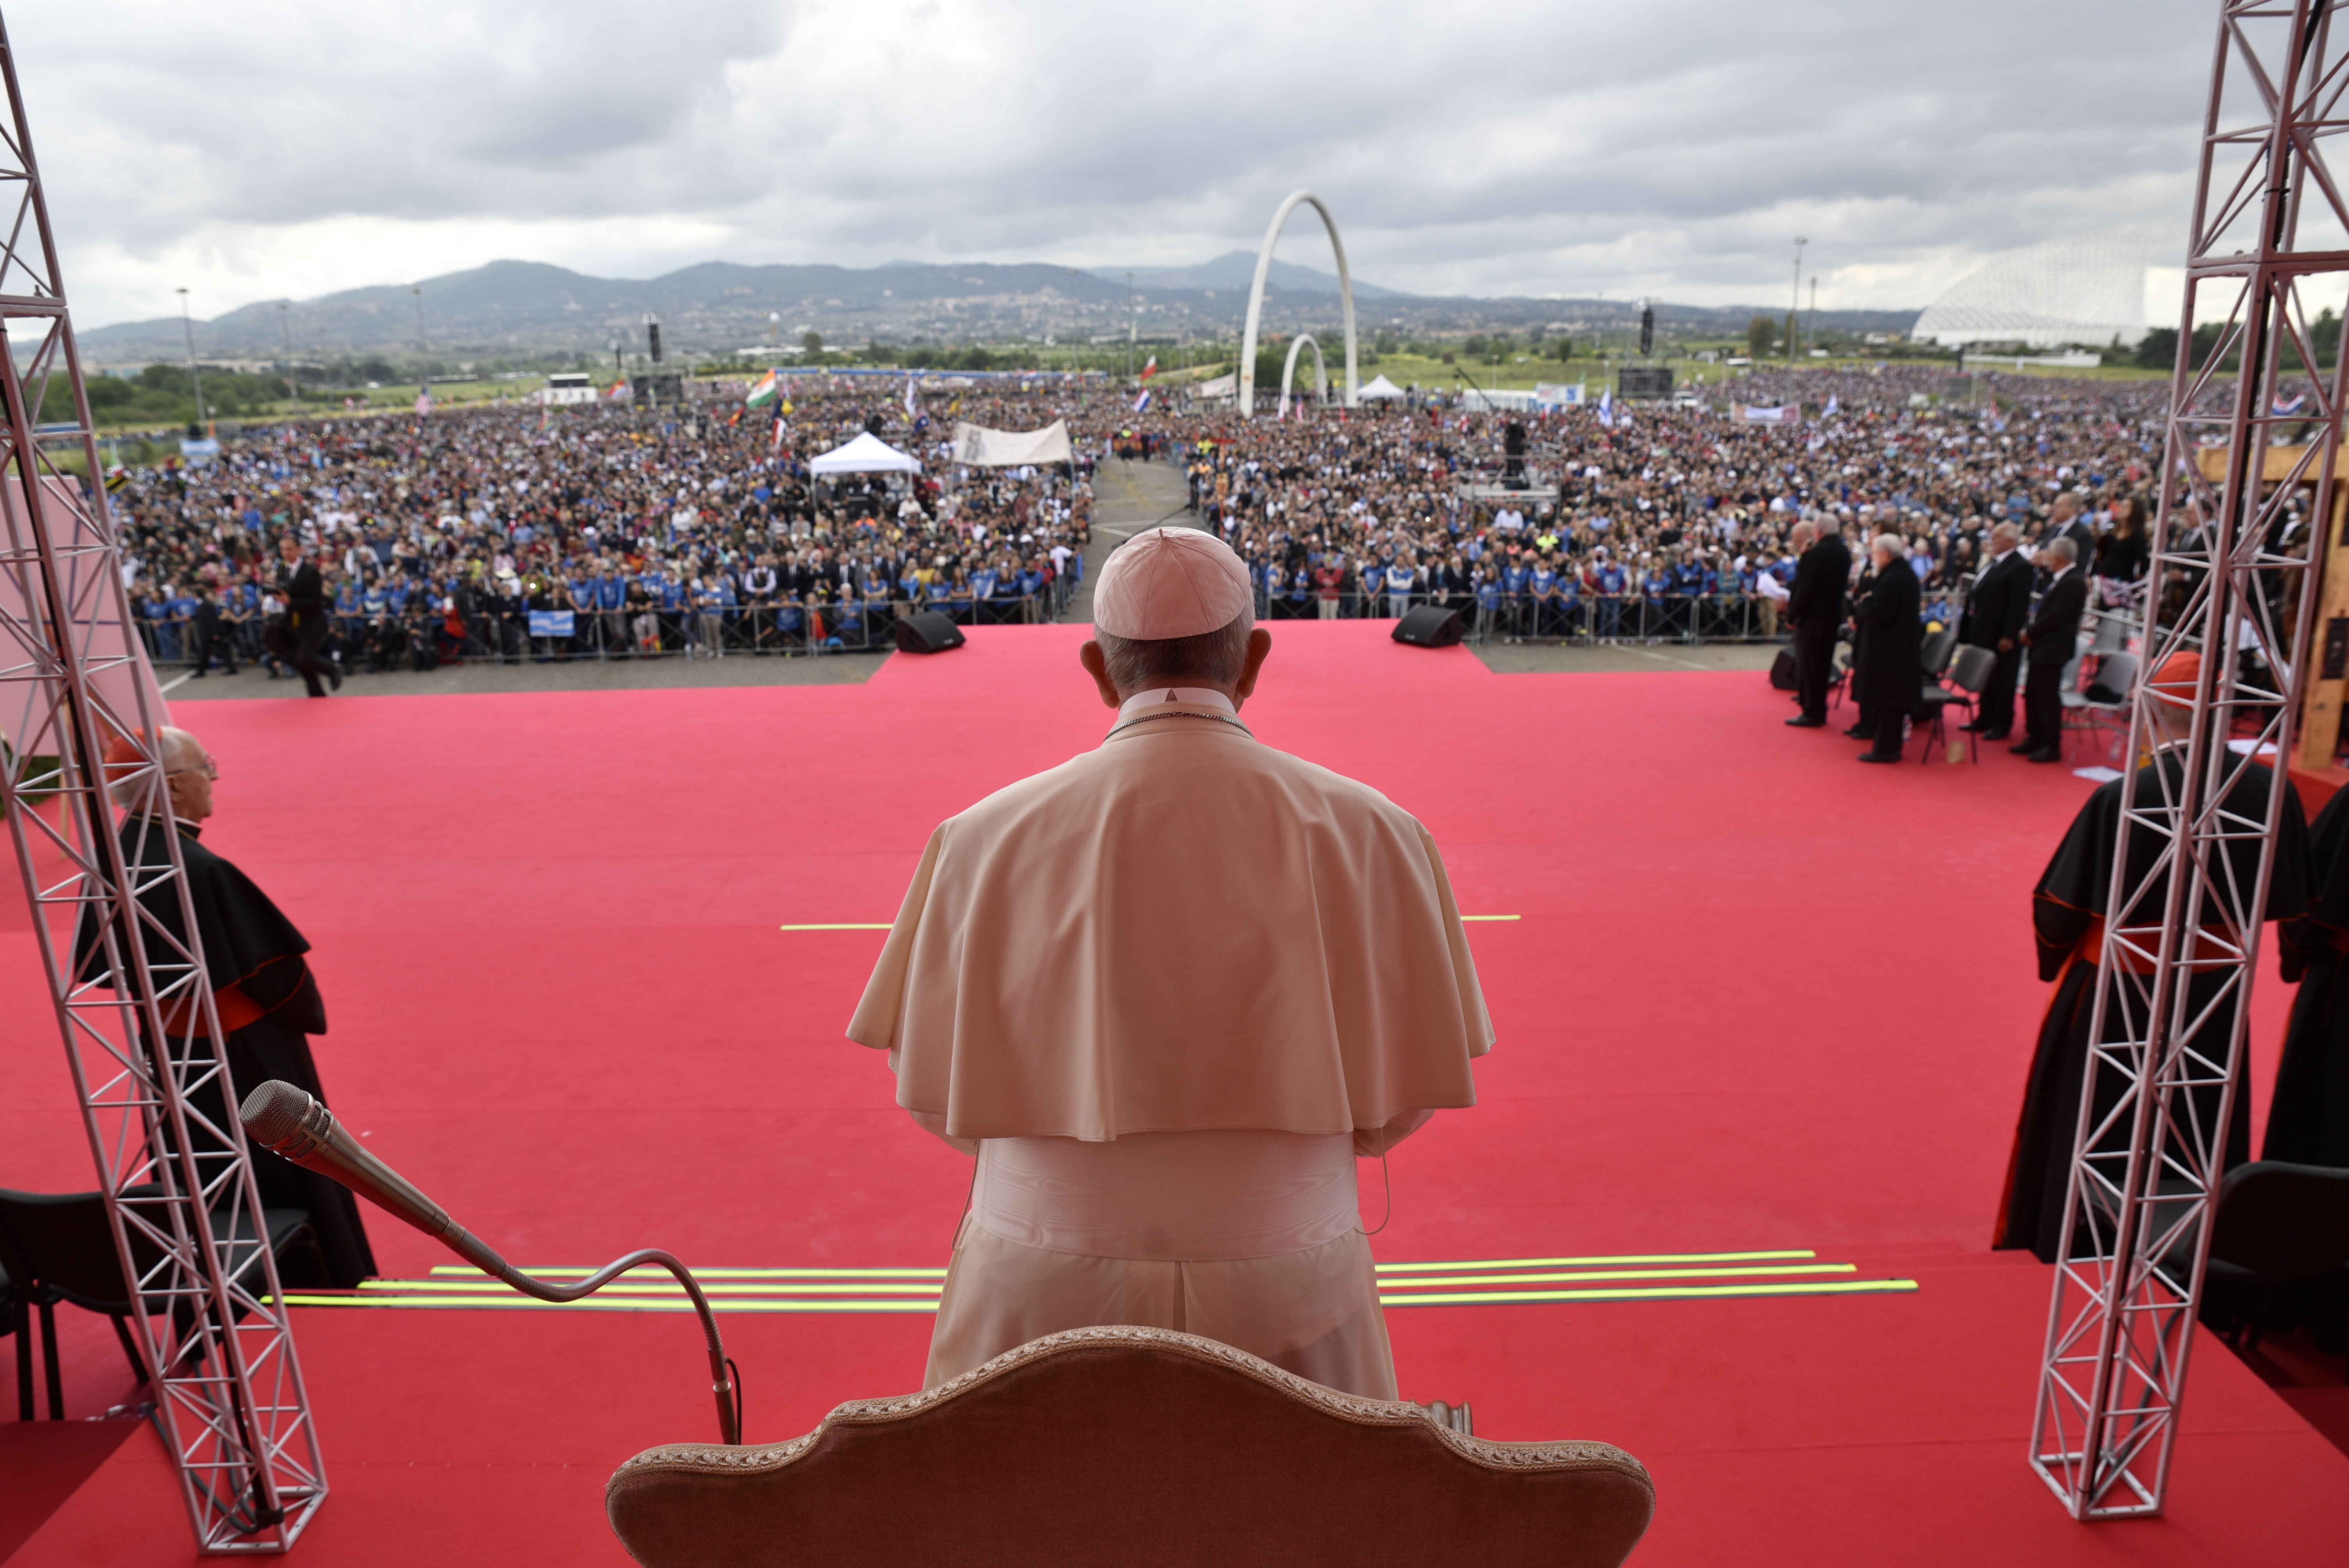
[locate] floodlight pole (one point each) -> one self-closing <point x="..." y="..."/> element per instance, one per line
<point x="2146" y="1168"/>
<point x="189" y="1232"/>
<point x="188" y="326"/>
<point x="1795" y="308"/>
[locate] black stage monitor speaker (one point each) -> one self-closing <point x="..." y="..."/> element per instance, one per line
<point x="1429" y="627"/>
<point x="928" y="631"/>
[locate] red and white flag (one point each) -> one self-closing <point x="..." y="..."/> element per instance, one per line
<point x="1149" y="369"/>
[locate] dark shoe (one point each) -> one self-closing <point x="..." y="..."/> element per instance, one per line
<point x="2023" y="746"/>
<point x="1804" y="721"/>
<point x="1861" y="732"/>
<point x="2042" y="756"/>
<point x="1973" y="728"/>
<point x="1872" y="757"/>
<point x="335" y="676"/>
<point x="1996" y="734"/>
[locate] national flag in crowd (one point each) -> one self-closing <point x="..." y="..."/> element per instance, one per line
<point x="2282" y="408"/>
<point x="424" y="399"/>
<point x="778" y="442"/>
<point x="911" y="411"/>
<point x="1141" y="402"/>
<point x="735" y="417"/>
<point x="1149" y="369"/>
<point x="1607" y="406"/>
<point x="766" y="391"/>
<point x="1833" y="404"/>
<point x="618" y="392"/>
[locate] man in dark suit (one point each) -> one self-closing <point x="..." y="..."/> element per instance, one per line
<point x="1814" y="610"/>
<point x="2051" y="636"/>
<point x="1995" y="612"/>
<point x="211" y="632"/>
<point x="305" y="592"/>
<point x="2064" y="522"/>
<point x="1889" y="682"/>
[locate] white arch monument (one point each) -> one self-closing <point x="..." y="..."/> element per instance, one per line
<point x="1288" y="371"/>
<point x="1255" y="302"/>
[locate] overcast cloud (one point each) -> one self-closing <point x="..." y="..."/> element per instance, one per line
<point x="1673" y="147"/>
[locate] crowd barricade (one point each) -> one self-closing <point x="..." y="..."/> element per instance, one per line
<point x="1581" y="619"/>
<point x="497" y="632"/>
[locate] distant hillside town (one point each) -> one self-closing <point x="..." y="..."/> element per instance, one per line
<point x="518" y="313"/>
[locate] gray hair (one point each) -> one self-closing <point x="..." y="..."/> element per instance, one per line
<point x="1888" y="544"/>
<point x="173" y="748"/>
<point x="1211" y="658"/>
<point x="2064" y="549"/>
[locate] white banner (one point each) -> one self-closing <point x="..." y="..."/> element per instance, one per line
<point x="981" y="448"/>
<point x="1221" y="386"/>
<point x="1788" y="415"/>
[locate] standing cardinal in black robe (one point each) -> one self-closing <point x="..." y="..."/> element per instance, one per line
<point x="264" y="994"/>
<point x="2068" y="913"/>
<point x="2309" y="1122"/>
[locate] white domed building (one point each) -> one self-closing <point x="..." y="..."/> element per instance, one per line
<point x="2087" y="289"/>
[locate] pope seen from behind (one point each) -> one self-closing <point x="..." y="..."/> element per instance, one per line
<point x="1167" y="992"/>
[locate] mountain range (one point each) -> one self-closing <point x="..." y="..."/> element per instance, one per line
<point x="513" y="311"/>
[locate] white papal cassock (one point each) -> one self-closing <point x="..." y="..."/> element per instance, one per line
<point x="1170" y="989"/>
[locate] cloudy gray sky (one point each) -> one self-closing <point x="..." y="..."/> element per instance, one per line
<point x="1672" y="147"/>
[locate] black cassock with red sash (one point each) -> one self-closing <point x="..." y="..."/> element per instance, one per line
<point x="2068" y="913"/>
<point x="268" y="1005"/>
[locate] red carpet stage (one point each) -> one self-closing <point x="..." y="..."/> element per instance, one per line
<point x="1755" y="999"/>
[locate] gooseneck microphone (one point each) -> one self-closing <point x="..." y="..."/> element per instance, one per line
<point x="293" y="1124"/>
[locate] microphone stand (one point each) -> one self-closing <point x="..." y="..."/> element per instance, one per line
<point x="293" y="1125"/>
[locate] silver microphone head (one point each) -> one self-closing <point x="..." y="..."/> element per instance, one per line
<point x="285" y="1119"/>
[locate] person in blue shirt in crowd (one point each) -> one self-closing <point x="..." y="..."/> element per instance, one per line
<point x="1516" y="583"/>
<point x="1402" y="578"/>
<point x="1031" y="590"/>
<point x="1543" y="591"/>
<point x="1613" y="584"/>
<point x="1488" y="603"/>
<point x="1655" y="588"/>
<point x="1568" y="599"/>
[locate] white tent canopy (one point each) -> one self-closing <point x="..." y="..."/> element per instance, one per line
<point x="1379" y="389"/>
<point x="868" y="454"/>
<point x="981" y="448"/>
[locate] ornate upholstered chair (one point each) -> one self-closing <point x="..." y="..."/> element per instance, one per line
<point x="1134" y="1446"/>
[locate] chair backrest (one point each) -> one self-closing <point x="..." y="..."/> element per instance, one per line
<point x="1971" y="671"/>
<point x="59" y="1243"/>
<point x="1937" y="648"/>
<point x="1134" y="1446"/>
<point x="2285" y="1222"/>
<point x="2115" y="678"/>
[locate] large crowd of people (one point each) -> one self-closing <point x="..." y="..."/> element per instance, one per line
<point x="545" y="533"/>
<point x="1669" y="522"/>
<point x="699" y="530"/>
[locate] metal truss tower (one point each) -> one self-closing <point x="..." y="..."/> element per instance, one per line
<point x="2231" y="578"/>
<point x="82" y="718"/>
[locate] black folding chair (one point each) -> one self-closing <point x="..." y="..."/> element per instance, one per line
<point x="57" y="1247"/>
<point x="2105" y="704"/>
<point x="2279" y="1253"/>
<point x="15" y="1319"/>
<point x="1936" y="652"/>
<point x="1967" y="676"/>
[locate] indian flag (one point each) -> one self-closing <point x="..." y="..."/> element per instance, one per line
<point x="764" y="392"/>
